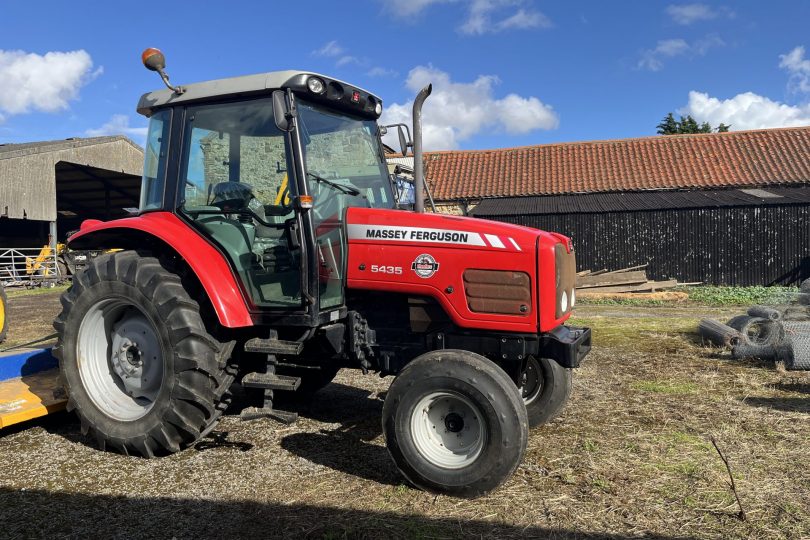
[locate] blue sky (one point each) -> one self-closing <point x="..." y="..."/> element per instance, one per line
<point x="506" y="72"/>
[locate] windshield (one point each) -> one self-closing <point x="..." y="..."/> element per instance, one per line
<point x="345" y="165"/>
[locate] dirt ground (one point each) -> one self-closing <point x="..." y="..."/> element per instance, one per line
<point x="631" y="456"/>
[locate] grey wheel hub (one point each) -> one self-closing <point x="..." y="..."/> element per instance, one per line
<point x="120" y="359"/>
<point x="135" y="354"/>
<point x="532" y="381"/>
<point x="448" y="429"/>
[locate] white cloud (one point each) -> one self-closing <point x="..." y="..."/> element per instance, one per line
<point x="456" y="111"/>
<point x="752" y="111"/>
<point x="482" y="16"/>
<point x="379" y="71"/>
<point x="330" y="49"/>
<point x="410" y="8"/>
<point x="347" y="59"/>
<point x="118" y="124"/>
<point x="523" y="19"/>
<point x="746" y="111"/>
<point x="46" y="83"/>
<point x="798" y="67"/>
<point x="689" y="13"/>
<point x="653" y="59"/>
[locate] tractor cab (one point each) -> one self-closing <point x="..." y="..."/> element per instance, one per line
<point x="264" y="174"/>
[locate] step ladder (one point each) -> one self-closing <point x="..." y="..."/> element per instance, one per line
<point x="269" y="380"/>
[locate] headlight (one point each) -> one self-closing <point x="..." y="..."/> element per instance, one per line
<point x="315" y="85"/>
<point x="573" y="297"/>
<point x="564" y="302"/>
<point x="378" y="109"/>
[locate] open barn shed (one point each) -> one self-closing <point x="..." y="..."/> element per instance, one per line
<point x="48" y="188"/>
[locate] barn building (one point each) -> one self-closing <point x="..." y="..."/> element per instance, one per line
<point x="48" y="188"/>
<point x="722" y="209"/>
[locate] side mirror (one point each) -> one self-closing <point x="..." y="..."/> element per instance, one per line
<point x="403" y="141"/>
<point x="280" y="110"/>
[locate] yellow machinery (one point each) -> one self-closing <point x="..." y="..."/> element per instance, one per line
<point x="29" y="379"/>
<point x="43" y="264"/>
<point x="29" y="386"/>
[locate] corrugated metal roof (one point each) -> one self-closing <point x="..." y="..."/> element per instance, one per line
<point x="706" y="161"/>
<point x="13" y="150"/>
<point x="639" y="201"/>
<point x="28" y="172"/>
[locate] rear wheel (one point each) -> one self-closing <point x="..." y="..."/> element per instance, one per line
<point x="3" y="314"/>
<point x="546" y="387"/>
<point x="455" y="423"/>
<point x="142" y="373"/>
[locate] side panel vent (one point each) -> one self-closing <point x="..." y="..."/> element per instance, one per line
<point x="498" y="291"/>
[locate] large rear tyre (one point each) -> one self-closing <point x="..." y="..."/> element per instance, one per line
<point x="455" y="423"/>
<point x="142" y="373"/>
<point x="3" y="314"/>
<point x="546" y="387"/>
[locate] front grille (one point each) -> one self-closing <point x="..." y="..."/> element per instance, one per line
<point x="498" y="291"/>
<point x="566" y="277"/>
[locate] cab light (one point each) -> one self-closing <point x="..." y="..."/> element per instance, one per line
<point x="378" y="109"/>
<point x="305" y="201"/>
<point x="315" y="85"/>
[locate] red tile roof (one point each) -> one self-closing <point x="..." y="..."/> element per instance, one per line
<point x="735" y="159"/>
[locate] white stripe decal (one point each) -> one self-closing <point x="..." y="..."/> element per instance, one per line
<point x="414" y="234"/>
<point x="517" y="247"/>
<point x="494" y="241"/>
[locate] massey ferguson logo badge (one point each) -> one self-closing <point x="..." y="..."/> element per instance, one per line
<point x="425" y="266"/>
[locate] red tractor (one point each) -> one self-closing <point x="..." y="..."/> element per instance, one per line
<point x="270" y="249"/>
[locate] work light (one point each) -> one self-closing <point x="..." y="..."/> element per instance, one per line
<point x="315" y="85"/>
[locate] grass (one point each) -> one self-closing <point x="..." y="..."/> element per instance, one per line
<point x="629" y="457"/>
<point x="704" y="295"/>
<point x="665" y="387"/>
<point x="738" y="296"/>
<point x="22" y="292"/>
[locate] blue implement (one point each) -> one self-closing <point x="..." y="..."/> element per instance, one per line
<point x="29" y="386"/>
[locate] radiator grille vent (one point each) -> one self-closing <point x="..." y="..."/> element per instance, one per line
<point x="498" y="291"/>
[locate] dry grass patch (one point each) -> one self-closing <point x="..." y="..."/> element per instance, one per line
<point x="630" y="456"/>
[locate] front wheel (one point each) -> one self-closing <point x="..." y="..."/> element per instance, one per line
<point x="546" y="387"/>
<point x="455" y="423"/>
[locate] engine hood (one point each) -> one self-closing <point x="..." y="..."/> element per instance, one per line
<point x="439" y="229"/>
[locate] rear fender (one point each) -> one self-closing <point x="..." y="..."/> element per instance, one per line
<point x="166" y="231"/>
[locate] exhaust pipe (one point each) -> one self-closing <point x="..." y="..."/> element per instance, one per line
<point x="418" y="164"/>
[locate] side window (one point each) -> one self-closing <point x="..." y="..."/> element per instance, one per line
<point x="251" y="153"/>
<point x="154" y="168"/>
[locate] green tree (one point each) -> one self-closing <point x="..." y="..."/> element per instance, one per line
<point x="668" y="126"/>
<point x="687" y="124"/>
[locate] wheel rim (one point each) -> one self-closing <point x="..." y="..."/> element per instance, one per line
<point x="120" y="359"/>
<point x="448" y="430"/>
<point x="532" y="385"/>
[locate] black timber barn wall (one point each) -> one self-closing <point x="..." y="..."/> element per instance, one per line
<point x="738" y="245"/>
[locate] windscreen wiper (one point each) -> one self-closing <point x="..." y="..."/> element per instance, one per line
<point x="340" y="187"/>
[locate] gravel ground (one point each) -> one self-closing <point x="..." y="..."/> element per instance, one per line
<point x="630" y="456"/>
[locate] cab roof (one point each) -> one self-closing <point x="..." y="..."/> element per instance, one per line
<point x="233" y="86"/>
